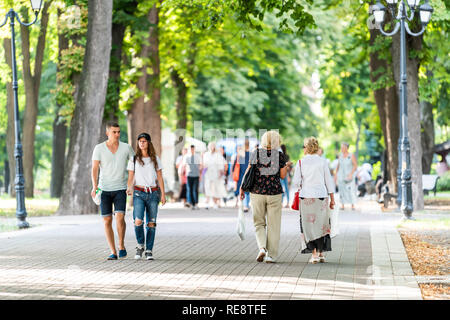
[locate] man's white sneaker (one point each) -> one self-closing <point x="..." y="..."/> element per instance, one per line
<point x="261" y="255"/>
<point x="269" y="259"/>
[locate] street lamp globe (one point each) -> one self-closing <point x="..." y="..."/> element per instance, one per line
<point x="413" y="3"/>
<point x="425" y="13"/>
<point x="378" y="12"/>
<point x="36" y="5"/>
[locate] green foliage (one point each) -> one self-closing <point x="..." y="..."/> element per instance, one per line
<point x="434" y="79"/>
<point x="293" y="16"/>
<point x="71" y="63"/>
<point x="247" y="64"/>
<point x="443" y="183"/>
<point x="73" y="24"/>
<point x="376" y="170"/>
<point x="255" y="95"/>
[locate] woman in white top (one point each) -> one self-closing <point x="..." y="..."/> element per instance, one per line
<point x="313" y="179"/>
<point x="215" y="166"/>
<point x="145" y="173"/>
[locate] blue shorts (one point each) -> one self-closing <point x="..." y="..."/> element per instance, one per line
<point x="118" y="198"/>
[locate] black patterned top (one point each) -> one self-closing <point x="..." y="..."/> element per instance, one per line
<point x="268" y="175"/>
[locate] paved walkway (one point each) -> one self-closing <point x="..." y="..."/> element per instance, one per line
<point x="198" y="255"/>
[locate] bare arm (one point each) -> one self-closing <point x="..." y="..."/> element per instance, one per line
<point x="355" y="165"/>
<point x="130" y="182"/>
<point x="332" y="203"/>
<point x="336" y="172"/>
<point x="241" y="192"/>
<point x="94" y="176"/>
<point x="161" y="186"/>
<point x="283" y="172"/>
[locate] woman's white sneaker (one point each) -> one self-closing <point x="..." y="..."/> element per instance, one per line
<point x="139" y="251"/>
<point x="148" y="255"/>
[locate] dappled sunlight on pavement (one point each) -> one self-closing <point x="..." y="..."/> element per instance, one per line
<point x="198" y="255"/>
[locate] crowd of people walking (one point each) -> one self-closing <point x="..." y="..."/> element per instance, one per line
<point x="263" y="180"/>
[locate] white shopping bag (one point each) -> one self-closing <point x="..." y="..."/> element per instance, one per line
<point x="241" y="223"/>
<point x="334" y="215"/>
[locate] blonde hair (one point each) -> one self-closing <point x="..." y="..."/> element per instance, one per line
<point x="271" y="140"/>
<point x="211" y="146"/>
<point x="311" y="145"/>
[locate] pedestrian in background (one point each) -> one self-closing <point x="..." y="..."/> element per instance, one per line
<point x="182" y="175"/>
<point x="227" y="172"/>
<point x="192" y="164"/>
<point x="266" y="195"/>
<point x="239" y="168"/>
<point x="314" y="182"/>
<point x="344" y="176"/>
<point x="214" y="178"/>
<point x="285" y="182"/>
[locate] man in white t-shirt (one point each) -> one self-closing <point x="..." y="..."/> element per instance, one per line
<point x="111" y="157"/>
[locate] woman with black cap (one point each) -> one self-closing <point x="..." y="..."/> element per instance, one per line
<point x="145" y="173"/>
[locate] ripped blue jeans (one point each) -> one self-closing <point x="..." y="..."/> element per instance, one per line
<point x="147" y="203"/>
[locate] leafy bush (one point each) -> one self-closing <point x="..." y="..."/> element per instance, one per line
<point x="443" y="183"/>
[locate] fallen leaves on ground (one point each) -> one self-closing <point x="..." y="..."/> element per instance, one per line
<point x="429" y="256"/>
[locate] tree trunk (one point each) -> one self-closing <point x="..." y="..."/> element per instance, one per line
<point x="393" y="132"/>
<point x="144" y="115"/>
<point x="88" y="113"/>
<point x="32" y="83"/>
<point x="413" y="110"/>
<point x="59" y="133"/>
<point x="181" y="101"/>
<point x="386" y="100"/>
<point x="58" y="156"/>
<point x="427" y="135"/>
<point x="10" y="137"/>
<point x="112" y="97"/>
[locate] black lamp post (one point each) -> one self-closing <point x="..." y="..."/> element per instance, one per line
<point x="403" y="13"/>
<point x="21" y="212"/>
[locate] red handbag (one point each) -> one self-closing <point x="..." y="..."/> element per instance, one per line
<point x="296" y="202"/>
<point x="236" y="170"/>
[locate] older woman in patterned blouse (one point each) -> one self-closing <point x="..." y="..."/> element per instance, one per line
<point x="313" y="179"/>
<point x="266" y="195"/>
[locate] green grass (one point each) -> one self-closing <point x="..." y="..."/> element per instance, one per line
<point x="427" y="223"/>
<point x="36" y="207"/>
<point x="8" y="227"/>
<point x="443" y="195"/>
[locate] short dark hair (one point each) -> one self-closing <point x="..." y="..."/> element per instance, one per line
<point x="192" y="146"/>
<point x="110" y="124"/>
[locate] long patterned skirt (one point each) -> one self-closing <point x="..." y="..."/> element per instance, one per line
<point x="315" y="225"/>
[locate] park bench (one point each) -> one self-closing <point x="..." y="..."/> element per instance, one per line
<point x="429" y="183"/>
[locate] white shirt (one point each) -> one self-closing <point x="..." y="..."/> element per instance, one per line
<point x="363" y="176"/>
<point x="113" y="173"/>
<point x="144" y="175"/>
<point x="315" y="178"/>
<point x="214" y="162"/>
